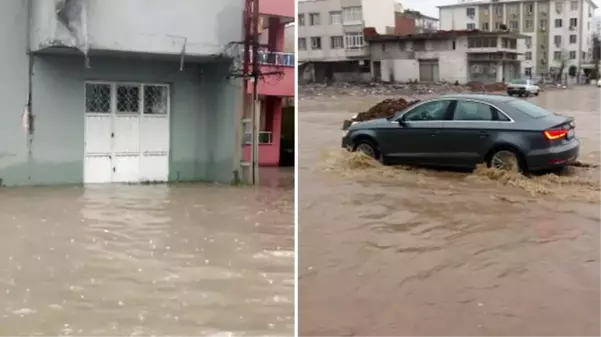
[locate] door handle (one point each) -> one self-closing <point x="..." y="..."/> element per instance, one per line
<point x="435" y="132"/>
<point x="483" y="134"/>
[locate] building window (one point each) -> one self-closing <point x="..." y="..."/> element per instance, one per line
<point x="335" y="18"/>
<point x="558" y="7"/>
<point x="572" y="54"/>
<point x="301" y="19"/>
<point x="98" y="98"/>
<point x="470" y="11"/>
<point x="530" y="8"/>
<point x="529" y="24"/>
<point x="528" y="41"/>
<point x="336" y="42"/>
<point x="573" y="5"/>
<point x="128" y="98"/>
<point x="543" y="25"/>
<point x="573" y="38"/>
<point x="557" y="55"/>
<point x="497" y="25"/>
<point x="514" y="25"/>
<point x="528" y="56"/>
<point x="558" y="23"/>
<point x="471" y="26"/>
<point x="316" y="43"/>
<point x="528" y="71"/>
<point x="557" y="40"/>
<point x="352" y="15"/>
<point x="573" y="22"/>
<point x="314" y="19"/>
<point x="499" y="10"/>
<point x="583" y="55"/>
<point x="302" y="43"/>
<point x="354" y="40"/>
<point x="485" y="26"/>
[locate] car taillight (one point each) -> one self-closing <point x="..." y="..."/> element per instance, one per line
<point x="555" y="133"/>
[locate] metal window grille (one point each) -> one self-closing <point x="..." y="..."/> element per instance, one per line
<point x="98" y="98"/>
<point x="128" y="98"/>
<point x="155" y="99"/>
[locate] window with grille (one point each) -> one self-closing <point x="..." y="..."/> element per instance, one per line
<point x="572" y="54"/>
<point x="528" y="56"/>
<point x="557" y="55"/>
<point x="335" y="18"/>
<point x="558" y="23"/>
<point x="155" y="99"/>
<point x="470" y="26"/>
<point x="529" y="24"/>
<point x="514" y="24"/>
<point x="301" y="20"/>
<point x="98" y="98"/>
<point x="354" y="40"/>
<point x="352" y="15"/>
<point x="573" y="38"/>
<point x="128" y="98"/>
<point x="470" y="11"/>
<point x="314" y="19"/>
<point x="573" y="22"/>
<point x="336" y="42"/>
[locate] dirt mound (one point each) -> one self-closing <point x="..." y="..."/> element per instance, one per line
<point x="486" y="87"/>
<point x="385" y="108"/>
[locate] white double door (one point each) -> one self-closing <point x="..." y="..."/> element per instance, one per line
<point x="126" y="148"/>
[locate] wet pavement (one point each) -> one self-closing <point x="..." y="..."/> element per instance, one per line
<point x="190" y="259"/>
<point x="387" y="251"/>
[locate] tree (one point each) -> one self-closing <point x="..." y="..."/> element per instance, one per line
<point x="562" y="61"/>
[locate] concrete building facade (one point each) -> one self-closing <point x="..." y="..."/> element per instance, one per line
<point x="330" y="35"/>
<point x="556" y="30"/>
<point x="458" y="56"/>
<point x="100" y="91"/>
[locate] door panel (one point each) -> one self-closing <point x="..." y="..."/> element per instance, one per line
<point x="412" y="143"/>
<point x="127" y="135"/>
<point x="97" y="169"/>
<point x="154" y="168"/>
<point x="126" y="168"/>
<point x="98" y="130"/>
<point x="154" y="134"/>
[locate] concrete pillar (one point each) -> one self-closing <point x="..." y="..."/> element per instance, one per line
<point x="500" y="72"/>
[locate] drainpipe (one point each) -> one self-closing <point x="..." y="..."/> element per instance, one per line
<point x="28" y="117"/>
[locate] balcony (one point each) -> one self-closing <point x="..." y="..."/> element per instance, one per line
<point x="281" y="8"/>
<point x="281" y="67"/>
<point x="201" y="28"/>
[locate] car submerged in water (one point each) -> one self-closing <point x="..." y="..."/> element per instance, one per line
<point x="464" y="130"/>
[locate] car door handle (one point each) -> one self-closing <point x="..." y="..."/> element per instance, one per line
<point x="483" y="134"/>
<point x="435" y="132"/>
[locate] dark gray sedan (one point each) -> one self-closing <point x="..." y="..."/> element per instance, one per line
<point x="465" y="130"/>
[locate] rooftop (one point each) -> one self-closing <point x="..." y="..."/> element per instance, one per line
<point x="372" y="36"/>
<point x="467" y="3"/>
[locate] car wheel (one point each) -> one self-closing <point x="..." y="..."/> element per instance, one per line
<point x="506" y="160"/>
<point x="368" y="148"/>
<point x="510" y="93"/>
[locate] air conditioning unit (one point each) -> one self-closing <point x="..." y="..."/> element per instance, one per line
<point x="557" y="44"/>
<point x="572" y="27"/>
<point x="543" y="13"/>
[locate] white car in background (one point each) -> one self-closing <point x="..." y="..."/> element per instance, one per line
<point x="522" y="87"/>
<point x="599" y="83"/>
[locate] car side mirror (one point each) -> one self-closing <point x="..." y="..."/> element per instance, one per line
<point x="401" y="122"/>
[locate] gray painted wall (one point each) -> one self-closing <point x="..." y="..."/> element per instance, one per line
<point x="14" y="87"/>
<point x="157" y="26"/>
<point x="203" y="118"/>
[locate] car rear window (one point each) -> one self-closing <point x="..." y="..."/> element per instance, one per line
<point x="529" y="109"/>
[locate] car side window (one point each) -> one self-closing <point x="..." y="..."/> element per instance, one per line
<point x="430" y="111"/>
<point x="473" y="111"/>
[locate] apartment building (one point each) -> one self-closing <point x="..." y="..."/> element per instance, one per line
<point x="330" y="36"/>
<point x="556" y="30"/>
<point x="414" y="22"/>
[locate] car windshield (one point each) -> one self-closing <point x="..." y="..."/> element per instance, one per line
<point x="519" y="82"/>
<point x="529" y="109"/>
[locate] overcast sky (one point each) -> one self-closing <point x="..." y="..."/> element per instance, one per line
<point x="428" y="7"/>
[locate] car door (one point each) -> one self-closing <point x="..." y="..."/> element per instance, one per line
<point x="414" y="138"/>
<point x="470" y="133"/>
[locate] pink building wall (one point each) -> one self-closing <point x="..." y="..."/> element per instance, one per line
<point x="276" y="86"/>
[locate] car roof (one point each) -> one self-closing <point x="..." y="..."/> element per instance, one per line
<point x="488" y="98"/>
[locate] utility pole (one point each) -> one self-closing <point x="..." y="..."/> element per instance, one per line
<point x="254" y="154"/>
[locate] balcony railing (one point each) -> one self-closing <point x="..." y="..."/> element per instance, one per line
<point x="275" y="58"/>
<point x="264" y="137"/>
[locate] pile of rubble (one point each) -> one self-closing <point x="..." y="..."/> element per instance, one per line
<point x="385" y="108"/>
<point x="391" y="89"/>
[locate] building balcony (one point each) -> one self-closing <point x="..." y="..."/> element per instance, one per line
<point x="280" y="8"/>
<point x="356" y="52"/>
<point x="278" y="70"/>
<point x="138" y="26"/>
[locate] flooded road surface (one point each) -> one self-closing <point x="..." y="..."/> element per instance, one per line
<point x="387" y="251"/>
<point x="148" y="260"/>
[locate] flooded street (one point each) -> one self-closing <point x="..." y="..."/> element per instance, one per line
<point x="188" y="259"/>
<point x="387" y="251"/>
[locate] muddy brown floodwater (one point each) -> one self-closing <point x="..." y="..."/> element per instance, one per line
<point x="148" y="260"/>
<point x="387" y="251"/>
